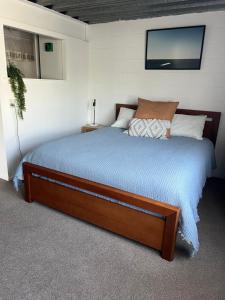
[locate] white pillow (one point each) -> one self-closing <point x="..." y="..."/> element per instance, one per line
<point x="124" y="117"/>
<point x="188" y="126"/>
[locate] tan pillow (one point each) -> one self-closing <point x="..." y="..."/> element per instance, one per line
<point x="155" y="110"/>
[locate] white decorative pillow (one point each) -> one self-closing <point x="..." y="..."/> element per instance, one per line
<point x="188" y="126"/>
<point x="124" y="117"/>
<point x="152" y="128"/>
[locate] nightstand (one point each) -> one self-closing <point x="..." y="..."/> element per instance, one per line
<point x="88" y="127"/>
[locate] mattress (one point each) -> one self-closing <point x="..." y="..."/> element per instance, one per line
<point x="173" y="171"/>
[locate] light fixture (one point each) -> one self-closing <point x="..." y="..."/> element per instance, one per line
<point x="94" y="105"/>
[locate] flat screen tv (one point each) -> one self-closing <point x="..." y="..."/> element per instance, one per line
<point x="174" y="48"/>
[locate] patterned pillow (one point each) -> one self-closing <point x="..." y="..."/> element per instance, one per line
<point x="152" y="128"/>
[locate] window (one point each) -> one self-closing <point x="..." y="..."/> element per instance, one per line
<point x="35" y="55"/>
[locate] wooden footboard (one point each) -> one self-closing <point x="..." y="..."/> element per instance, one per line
<point x="158" y="233"/>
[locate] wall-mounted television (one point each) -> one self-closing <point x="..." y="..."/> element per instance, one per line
<point x="174" y="48"/>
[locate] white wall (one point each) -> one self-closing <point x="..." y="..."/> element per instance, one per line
<point x="54" y="107"/>
<point x="59" y="107"/>
<point x="26" y="13"/>
<point x="3" y="160"/>
<point x="51" y="62"/>
<point x="117" y="74"/>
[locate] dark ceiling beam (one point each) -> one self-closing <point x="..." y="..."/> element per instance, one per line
<point x="88" y="4"/>
<point x="92" y="3"/>
<point x="105" y="19"/>
<point x="118" y="4"/>
<point x="99" y="11"/>
<point x="147" y="10"/>
<point x="114" y="7"/>
<point x="50" y="6"/>
<point x="44" y="2"/>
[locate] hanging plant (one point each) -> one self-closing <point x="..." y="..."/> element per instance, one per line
<point x="18" y="88"/>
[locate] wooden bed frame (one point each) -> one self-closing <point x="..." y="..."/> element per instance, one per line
<point x="150" y="230"/>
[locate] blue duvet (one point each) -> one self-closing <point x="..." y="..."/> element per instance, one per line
<point x="173" y="171"/>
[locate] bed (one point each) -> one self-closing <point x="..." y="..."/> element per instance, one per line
<point x="93" y="182"/>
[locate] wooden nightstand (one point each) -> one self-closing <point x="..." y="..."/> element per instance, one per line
<point x="88" y="127"/>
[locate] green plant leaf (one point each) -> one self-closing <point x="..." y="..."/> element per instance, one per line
<point x="18" y="88"/>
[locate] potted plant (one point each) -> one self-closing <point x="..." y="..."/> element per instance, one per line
<point x="18" y="88"/>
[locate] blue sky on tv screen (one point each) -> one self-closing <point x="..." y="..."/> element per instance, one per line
<point x="180" y="43"/>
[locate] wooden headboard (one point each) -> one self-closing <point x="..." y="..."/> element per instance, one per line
<point x="211" y="125"/>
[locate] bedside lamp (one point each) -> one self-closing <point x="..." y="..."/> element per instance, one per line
<point x="94" y="105"/>
<point x="93" y="125"/>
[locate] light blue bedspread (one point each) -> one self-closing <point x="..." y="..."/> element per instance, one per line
<point x="172" y="171"/>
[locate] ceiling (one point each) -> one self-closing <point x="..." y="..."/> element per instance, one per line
<point x="102" y="11"/>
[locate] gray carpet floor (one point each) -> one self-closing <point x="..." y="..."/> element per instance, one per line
<point x="47" y="255"/>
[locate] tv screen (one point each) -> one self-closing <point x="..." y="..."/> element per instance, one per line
<point x="174" y="48"/>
